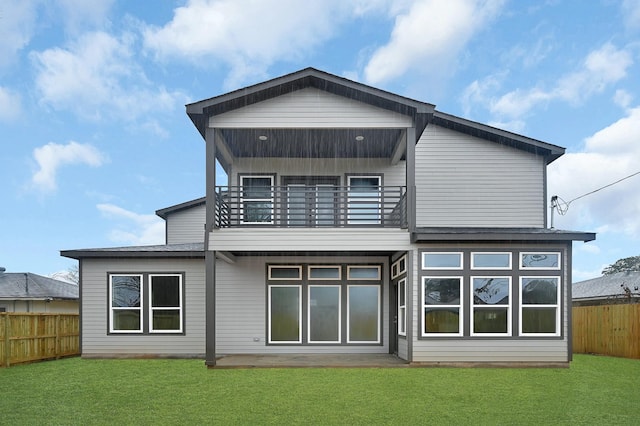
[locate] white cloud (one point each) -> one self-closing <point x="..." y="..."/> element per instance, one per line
<point x="134" y="228"/>
<point x="17" y="23"/>
<point x="430" y="32"/>
<point x="83" y="13"/>
<point x="97" y="77"/>
<point x="10" y="105"/>
<point x="631" y="14"/>
<point x="622" y="98"/>
<point x="246" y="35"/>
<point x="600" y="69"/>
<point x="51" y="157"/>
<point x="610" y="154"/>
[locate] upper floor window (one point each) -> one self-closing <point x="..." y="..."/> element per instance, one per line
<point x="364" y="199"/>
<point x="257" y="199"/>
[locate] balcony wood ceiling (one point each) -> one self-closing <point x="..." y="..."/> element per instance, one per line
<point x="312" y="143"/>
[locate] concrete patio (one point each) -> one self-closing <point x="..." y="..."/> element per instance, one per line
<point x="310" y="361"/>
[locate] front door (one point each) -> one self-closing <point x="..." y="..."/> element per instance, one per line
<point x="311" y="201"/>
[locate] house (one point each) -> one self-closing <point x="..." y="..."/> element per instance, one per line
<point x="352" y="221"/>
<point x="621" y="287"/>
<point x="27" y="292"/>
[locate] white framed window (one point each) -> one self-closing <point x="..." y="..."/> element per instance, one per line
<point x="325" y="272"/>
<point x="285" y="272"/>
<point x="324" y="314"/>
<point x="491" y="260"/>
<point x="363" y="272"/>
<point x="256" y="199"/>
<point x="442" y="301"/>
<point x="165" y="303"/>
<point x="540" y="260"/>
<point x="125" y="303"/>
<point x="364" y="199"/>
<point x="491" y="306"/>
<point x="285" y="313"/>
<point x="402" y="307"/>
<point x="540" y="306"/>
<point x="399" y="267"/>
<point x="442" y="260"/>
<point x="363" y="313"/>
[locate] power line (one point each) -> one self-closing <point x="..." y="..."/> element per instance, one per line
<point x="563" y="206"/>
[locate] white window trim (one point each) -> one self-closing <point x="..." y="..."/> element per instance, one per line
<point x="285" y="342"/>
<point x="375" y="199"/>
<point x="440" y="268"/>
<point x="243" y="199"/>
<point x="298" y="267"/>
<point x="112" y="308"/>
<point x="370" y="342"/>
<point x="151" y="308"/>
<point x="474" y="307"/>
<point x="556" y="306"/>
<point x="396" y="271"/>
<point x="534" y="268"/>
<point x="493" y="268"/>
<point x="324" y="267"/>
<point x="402" y="319"/>
<point x="350" y="267"/>
<point x="339" y="287"/>
<point x="425" y="306"/>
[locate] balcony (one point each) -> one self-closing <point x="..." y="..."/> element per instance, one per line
<point x="310" y="206"/>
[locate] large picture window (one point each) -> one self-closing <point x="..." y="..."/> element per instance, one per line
<point x="146" y="303"/>
<point x="540" y="306"/>
<point x="363" y="314"/>
<point x="285" y="314"/>
<point x="442" y="306"/>
<point x="324" y="314"/>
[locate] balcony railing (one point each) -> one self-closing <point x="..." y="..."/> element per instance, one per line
<point x="302" y="206"/>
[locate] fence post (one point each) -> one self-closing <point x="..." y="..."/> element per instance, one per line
<point x="7" y="342"/>
<point x="57" y="349"/>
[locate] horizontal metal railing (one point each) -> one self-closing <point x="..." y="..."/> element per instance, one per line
<point x="302" y="206"/>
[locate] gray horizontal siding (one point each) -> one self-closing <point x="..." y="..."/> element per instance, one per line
<point x="186" y="226"/>
<point x="309" y="239"/>
<point x="394" y="175"/>
<point x="309" y="108"/>
<point x="241" y="308"/>
<point x="96" y="341"/>
<point x="466" y="181"/>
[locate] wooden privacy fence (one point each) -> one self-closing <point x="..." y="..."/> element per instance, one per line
<point x="607" y="330"/>
<point x="26" y="337"/>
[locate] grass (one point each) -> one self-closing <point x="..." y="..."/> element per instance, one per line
<point x="595" y="390"/>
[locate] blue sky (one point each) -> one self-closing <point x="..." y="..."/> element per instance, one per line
<point x="95" y="138"/>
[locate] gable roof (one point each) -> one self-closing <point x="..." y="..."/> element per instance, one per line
<point x="422" y="113"/>
<point x="607" y="287"/>
<point x="18" y="285"/>
<point x="163" y="213"/>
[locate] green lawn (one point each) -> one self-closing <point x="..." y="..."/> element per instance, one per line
<point x="595" y="390"/>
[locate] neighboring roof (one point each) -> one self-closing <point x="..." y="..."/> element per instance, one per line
<point x="423" y="113"/>
<point x="163" y="213"/>
<point x="607" y="287"/>
<point x="421" y="235"/>
<point x="188" y="250"/>
<point x="19" y="285"/>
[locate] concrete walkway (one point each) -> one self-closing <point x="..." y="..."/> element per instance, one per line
<point x="310" y="361"/>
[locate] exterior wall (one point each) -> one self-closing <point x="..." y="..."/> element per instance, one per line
<point x="486" y="349"/>
<point x="299" y="108"/>
<point x="186" y="226"/>
<point x="393" y="175"/>
<point x="241" y="307"/>
<point x="469" y="182"/>
<point x="40" y="306"/>
<point x="308" y="239"/>
<point x="96" y="342"/>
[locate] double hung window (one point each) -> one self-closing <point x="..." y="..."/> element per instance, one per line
<point x="146" y="303"/>
<point x="257" y="199"/>
<point x="364" y="200"/>
<point x="491" y="306"/>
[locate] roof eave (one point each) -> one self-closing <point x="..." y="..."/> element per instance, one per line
<point x="423" y="235"/>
